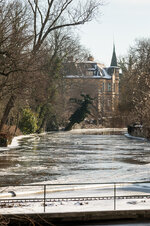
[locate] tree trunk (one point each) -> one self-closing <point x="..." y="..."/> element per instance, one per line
<point x="41" y="126"/>
<point x="8" y="108"/>
<point x="69" y="126"/>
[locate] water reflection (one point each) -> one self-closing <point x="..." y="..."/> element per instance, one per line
<point x="133" y="161"/>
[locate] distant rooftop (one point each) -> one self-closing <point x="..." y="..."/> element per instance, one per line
<point x="114" y="58"/>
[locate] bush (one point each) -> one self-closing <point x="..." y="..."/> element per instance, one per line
<point x="28" y="122"/>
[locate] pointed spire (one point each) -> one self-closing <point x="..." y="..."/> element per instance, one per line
<point x="114" y="58"/>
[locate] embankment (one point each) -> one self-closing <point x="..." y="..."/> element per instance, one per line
<point x="139" y="131"/>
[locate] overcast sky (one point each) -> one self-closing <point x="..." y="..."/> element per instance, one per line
<point x="121" y="20"/>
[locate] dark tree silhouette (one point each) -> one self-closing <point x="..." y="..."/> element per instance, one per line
<point x="81" y="112"/>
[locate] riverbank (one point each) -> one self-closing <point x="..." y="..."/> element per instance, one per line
<point x="139" y="131"/>
<point x="98" y="131"/>
<point x="7" y="135"/>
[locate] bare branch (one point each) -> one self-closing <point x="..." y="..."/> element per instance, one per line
<point x="60" y="15"/>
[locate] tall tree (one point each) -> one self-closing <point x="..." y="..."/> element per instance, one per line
<point x="135" y="84"/>
<point x="14" y="42"/>
<point x="50" y="15"/>
<point x="25" y="30"/>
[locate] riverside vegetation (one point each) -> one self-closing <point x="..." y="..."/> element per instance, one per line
<point x="36" y="42"/>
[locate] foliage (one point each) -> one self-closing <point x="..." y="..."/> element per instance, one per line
<point x="28" y="122"/>
<point x="81" y="112"/>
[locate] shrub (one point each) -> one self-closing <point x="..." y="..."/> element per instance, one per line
<point x="28" y="122"/>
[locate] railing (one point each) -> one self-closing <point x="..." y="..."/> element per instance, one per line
<point x="55" y="193"/>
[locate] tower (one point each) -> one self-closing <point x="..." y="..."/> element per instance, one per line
<point x="114" y="58"/>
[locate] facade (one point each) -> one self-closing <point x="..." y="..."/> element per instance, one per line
<point x="100" y="82"/>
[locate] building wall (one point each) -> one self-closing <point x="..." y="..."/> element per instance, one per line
<point x="104" y="91"/>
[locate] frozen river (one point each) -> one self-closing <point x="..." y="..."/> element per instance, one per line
<point x="75" y="157"/>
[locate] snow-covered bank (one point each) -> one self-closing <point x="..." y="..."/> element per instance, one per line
<point x="74" y="206"/>
<point x="97" y="130"/>
<point x="15" y="140"/>
<point x="58" y="198"/>
<point x="77" y="206"/>
<point x="14" y="143"/>
<point x="136" y="138"/>
<point x="75" y="190"/>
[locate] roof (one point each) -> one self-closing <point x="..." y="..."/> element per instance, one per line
<point x="114" y="58"/>
<point x="89" y="69"/>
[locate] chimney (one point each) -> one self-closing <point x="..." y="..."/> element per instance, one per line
<point x="90" y="58"/>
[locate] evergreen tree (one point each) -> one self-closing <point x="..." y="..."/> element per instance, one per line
<point x="81" y="112"/>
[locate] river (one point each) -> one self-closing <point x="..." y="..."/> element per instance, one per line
<point x="70" y="157"/>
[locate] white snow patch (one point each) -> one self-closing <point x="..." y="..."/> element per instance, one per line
<point x="75" y="206"/>
<point x="15" y="141"/>
<point x="98" y="130"/>
<point x="73" y="191"/>
<point x="106" y="75"/>
<point x="133" y="137"/>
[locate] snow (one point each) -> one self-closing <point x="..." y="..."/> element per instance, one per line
<point x="102" y="71"/>
<point x="106" y="75"/>
<point x="98" y="130"/>
<point x="66" y="191"/>
<point x="15" y="141"/>
<point x="78" y="205"/>
<point x="133" y="137"/>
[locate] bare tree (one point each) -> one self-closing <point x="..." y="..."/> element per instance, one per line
<point x="50" y="15"/>
<point x="14" y="54"/>
<point x="135" y="84"/>
<point x="19" y="59"/>
<point x="61" y="46"/>
<point x="14" y="38"/>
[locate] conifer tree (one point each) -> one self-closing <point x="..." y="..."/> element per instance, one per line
<point x="81" y="112"/>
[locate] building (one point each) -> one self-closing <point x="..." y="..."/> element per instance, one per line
<point x="93" y="78"/>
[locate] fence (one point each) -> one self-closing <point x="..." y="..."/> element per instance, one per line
<point x="44" y="194"/>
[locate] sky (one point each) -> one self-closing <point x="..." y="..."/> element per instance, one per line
<point x="122" y="21"/>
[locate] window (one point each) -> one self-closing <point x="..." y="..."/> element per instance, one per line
<point x="109" y="87"/>
<point x="103" y="88"/>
